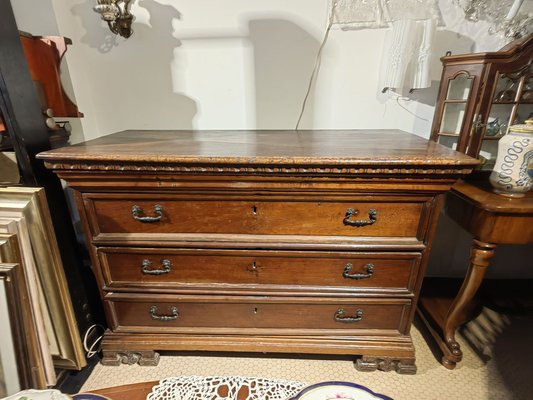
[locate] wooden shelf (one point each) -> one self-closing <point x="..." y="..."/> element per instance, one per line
<point x="448" y="134"/>
<point x="455" y="101"/>
<point x="495" y="137"/>
<point x="512" y="102"/>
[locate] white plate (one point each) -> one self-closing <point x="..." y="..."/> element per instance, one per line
<point x="338" y="391"/>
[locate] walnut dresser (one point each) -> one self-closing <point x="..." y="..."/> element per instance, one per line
<point x="260" y="241"/>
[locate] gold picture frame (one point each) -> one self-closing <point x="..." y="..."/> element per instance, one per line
<point x="12" y="239"/>
<point x="16" y="228"/>
<point x="29" y="207"/>
<point x="20" y="359"/>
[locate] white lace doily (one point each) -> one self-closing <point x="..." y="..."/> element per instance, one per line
<point x="224" y="388"/>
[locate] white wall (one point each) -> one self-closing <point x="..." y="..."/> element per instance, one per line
<point x="238" y="64"/>
<point x="35" y="17"/>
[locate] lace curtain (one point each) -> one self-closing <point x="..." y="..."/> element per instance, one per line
<point x="358" y="14"/>
<point x="413" y="24"/>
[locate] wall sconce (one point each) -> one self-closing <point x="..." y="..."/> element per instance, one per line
<point x="117" y="15"/>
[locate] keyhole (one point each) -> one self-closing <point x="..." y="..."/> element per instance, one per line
<point x="254" y="210"/>
<point x="254" y="266"/>
<point x="255" y="310"/>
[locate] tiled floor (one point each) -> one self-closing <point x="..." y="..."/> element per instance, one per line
<point x="498" y="351"/>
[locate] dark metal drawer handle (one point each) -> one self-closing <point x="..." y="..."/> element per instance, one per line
<point x="340" y="316"/>
<point x="348" y="267"/>
<point x="137" y="210"/>
<point x="165" y="270"/>
<point x="359" y="222"/>
<point x="173" y="311"/>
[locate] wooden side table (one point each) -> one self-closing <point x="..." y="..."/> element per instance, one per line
<point x="492" y="219"/>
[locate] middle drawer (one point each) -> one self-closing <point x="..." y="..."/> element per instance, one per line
<point x="157" y="270"/>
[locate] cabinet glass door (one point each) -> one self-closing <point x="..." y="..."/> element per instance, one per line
<point x="453" y="113"/>
<point x="512" y="104"/>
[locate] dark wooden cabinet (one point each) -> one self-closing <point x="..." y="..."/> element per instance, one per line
<point x="268" y="241"/>
<point x="481" y="95"/>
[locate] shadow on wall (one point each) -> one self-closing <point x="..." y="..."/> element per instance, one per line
<point x="96" y="36"/>
<point x="284" y="56"/>
<point x="140" y="79"/>
<point x="278" y="75"/>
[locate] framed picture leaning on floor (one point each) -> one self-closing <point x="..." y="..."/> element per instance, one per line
<point x="20" y="358"/>
<point x="28" y="208"/>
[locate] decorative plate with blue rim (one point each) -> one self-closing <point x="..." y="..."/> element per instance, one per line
<point x="88" y="396"/>
<point x="338" y="391"/>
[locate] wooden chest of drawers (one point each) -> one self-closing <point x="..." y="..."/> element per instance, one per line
<point x="270" y="241"/>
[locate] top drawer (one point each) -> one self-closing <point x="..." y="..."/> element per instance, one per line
<point x="381" y="216"/>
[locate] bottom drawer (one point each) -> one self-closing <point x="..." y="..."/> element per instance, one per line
<point x="237" y="315"/>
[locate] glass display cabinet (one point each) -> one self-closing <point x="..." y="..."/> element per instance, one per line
<point x="480" y="95"/>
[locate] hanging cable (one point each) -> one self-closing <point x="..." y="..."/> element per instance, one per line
<point x="398" y="97"/>
<point x="94" y="348"/>
<point x="317" y="60"/>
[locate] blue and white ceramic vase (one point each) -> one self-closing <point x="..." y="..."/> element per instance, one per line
<point x="510" y="175"/>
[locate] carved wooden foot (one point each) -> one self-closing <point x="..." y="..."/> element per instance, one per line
<point x="401" y="366"/>
<point x="143" y="358"/>
<point x="447" y="363"/>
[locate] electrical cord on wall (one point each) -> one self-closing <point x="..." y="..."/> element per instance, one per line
<point x="398" y="98"/>
<point x="317" y="61"/>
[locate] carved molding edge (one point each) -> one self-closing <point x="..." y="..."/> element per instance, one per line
<point x="257" y="169"/>
<point x="144" y="358"/>
<point x="401" y="366"/>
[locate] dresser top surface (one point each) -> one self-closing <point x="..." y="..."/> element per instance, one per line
<point x="316" y="147"/>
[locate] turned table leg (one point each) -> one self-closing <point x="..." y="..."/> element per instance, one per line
<point x="480" y="256"/>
